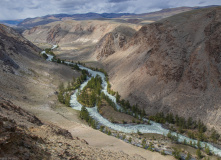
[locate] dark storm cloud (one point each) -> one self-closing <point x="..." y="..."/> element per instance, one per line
<point x="18" y="9"/>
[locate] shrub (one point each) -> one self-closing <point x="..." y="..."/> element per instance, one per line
<point x="44" y="56"/>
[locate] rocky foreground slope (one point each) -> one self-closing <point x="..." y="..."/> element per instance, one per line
<point x="24" y="136"/>
<point x="173" y="65"/>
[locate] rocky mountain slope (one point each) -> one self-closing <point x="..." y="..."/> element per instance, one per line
<point x="70" y="32"/>
<point x="113" y="41"/>
<point x="22" y="68"/>
<point x="173" y="65"/>
<point x="147" y="18"/>
<point x="76" y="39"/>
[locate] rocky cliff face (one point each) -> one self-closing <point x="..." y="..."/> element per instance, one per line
<point x="173" y="65"/>
<point x="113" y="41"/>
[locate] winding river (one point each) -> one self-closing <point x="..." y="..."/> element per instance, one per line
<point x="126" y="128"/>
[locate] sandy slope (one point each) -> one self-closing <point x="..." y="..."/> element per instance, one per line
<point x="67" y="118"/>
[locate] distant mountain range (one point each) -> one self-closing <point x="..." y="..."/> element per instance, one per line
<point x="144" y="18"/>
<point x="11" y="22"/>
<point x="118" y="17"/>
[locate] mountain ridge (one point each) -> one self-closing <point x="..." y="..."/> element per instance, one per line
<point x="142" y="18"/>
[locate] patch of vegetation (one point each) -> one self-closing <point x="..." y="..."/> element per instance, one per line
<point x="188" y="157"/>
<point x="44" y="55"/>
<point x="151" y="147"/>
<point x="91" y="92"/>
<point x="49" y="51"/>
<point x="84" y="114"/>
<point x="174" y="138"/>
<point x="193" y="129"/>
<point x="107" y="99"/>
<point x="176" y="153"/>
<point x="199" y="154"/>
<point x="64" y="93"/>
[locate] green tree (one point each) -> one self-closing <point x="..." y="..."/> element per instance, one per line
<point x="93" y="124"/>
<point x="144" y="143"/>
<point x="117" y="97"/>
<point x="214" y="135"/>
<point x="198" y="154"/>
<point x="60" y="97"/>
<point x="162" y="152"/>
<point x="44" y="56"/>
<point x="198" y="144"/>
<point x="169" y="134"/>
<point x="67" y="99"/>
<point x="58" y="60"/>
<point x="109" y="132"/>
<point x="138" y="132"/>
<point x="191" y="143"/>
<point x="84" y="114"/>
<point x="176" y="153"/>
<point x="194" y="144"/>
<point x="189" y="122"/>
<point x="61" y="87"/>
<point x="150" y="147"/>
<point x="188" y="157"/>
<point x="207" y="150"/>
<point x="101" y="128"/>
<point x="184" y="142"/>
<point x="118" y="136"/>
<point x="130" y="140"/>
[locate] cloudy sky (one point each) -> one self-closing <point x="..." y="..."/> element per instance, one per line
<point x="20" y="9"/>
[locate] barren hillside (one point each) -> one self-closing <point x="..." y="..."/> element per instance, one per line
<point x="173" y="65"/>
<point x="76" y="39"/>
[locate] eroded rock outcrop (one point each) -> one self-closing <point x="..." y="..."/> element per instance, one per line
<point x="113" y="41"/>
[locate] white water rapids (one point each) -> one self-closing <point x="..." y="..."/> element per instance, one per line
<point x="126" y="128"/>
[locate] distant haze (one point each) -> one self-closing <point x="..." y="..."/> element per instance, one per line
<point x="21" y="9"/>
